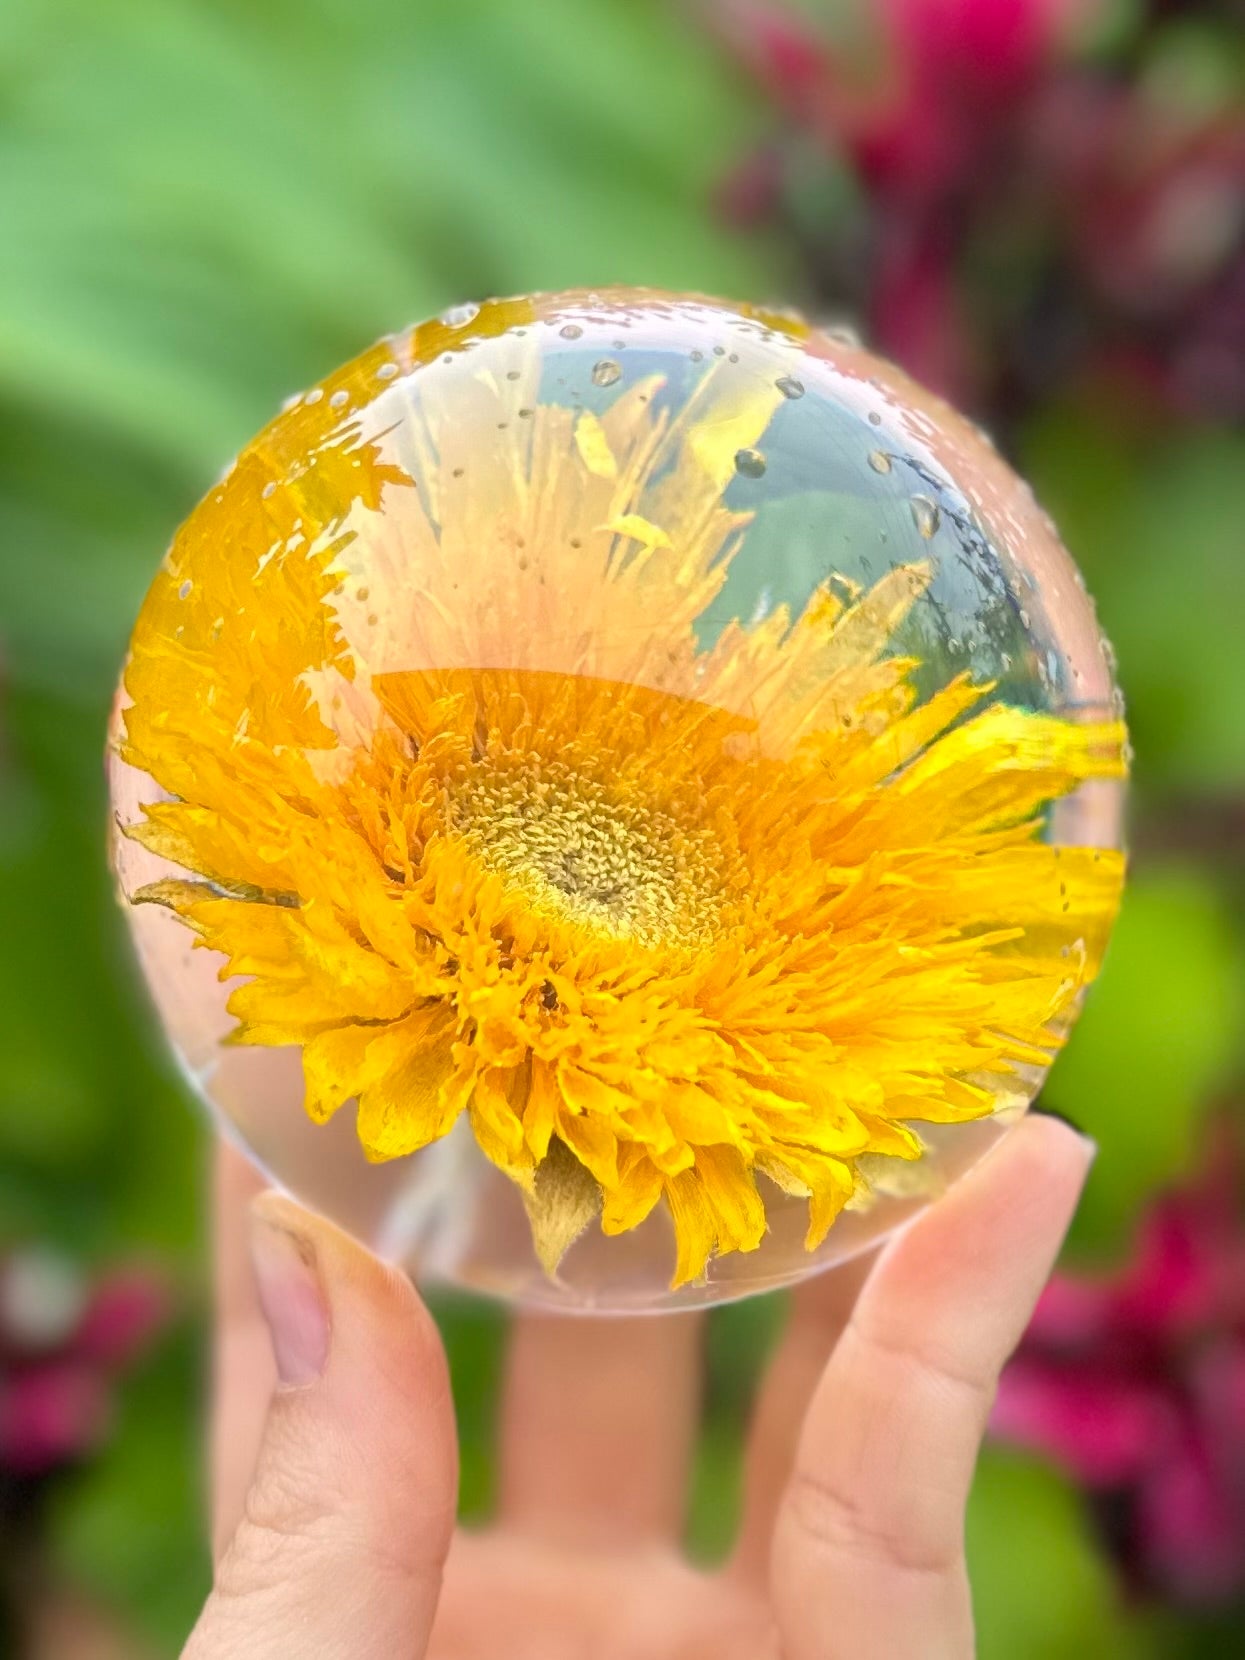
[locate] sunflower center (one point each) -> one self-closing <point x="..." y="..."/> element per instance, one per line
<point x="590" y="854"/>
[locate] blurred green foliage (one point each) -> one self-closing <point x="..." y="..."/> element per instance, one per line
<point x="206" y="205"/>
<point x="1155" y="520"/>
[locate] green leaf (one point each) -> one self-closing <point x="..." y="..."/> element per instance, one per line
<point x="1159" y="1035"/>
<point x="1155" y="521"/>
<point x="1040" y="1586"/>
<point x="246" y="196"/>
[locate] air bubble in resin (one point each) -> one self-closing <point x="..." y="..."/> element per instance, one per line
<point x="601" y="823"/>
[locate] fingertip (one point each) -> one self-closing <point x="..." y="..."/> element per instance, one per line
<point x="1058" y="1131"/>
<point x="272" y="1208"/>
<point x="1050" y="1155"/>
<point x="345" y="1261"/>
<point x="291" y="1291"/>
<point x="368" y="1299"/>
<point x="365" y="1376"/>
<point x="1036" y="1170"/>
<point x="350" y="1509"/>
<point x="970" y="1268"/>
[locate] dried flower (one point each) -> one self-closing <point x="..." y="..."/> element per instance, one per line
<point x="661" y="918"/>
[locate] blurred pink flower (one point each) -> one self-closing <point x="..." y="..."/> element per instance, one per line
<point x="908" y="100"/>
<point x="123" y="1313"/>
<point x="1134" y="1384"/>
<point x="917" y="316"/>
<point x="50" y="1415"/>
<point x="63" y="1343"/>
<point x="1021" y="214"/>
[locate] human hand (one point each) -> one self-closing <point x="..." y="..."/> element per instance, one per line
<point x="335" y="1467"/>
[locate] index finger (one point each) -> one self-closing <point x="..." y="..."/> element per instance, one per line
<point x="868" y="1546"/>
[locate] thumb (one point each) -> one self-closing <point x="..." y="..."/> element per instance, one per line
<point x="349" y="1516"/>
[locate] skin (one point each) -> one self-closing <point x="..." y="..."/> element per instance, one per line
<point x="335" y="1481"/>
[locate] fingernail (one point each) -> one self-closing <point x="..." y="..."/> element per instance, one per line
<point x="290" y="1295"/>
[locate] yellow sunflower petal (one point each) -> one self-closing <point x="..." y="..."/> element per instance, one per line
<point x="638" y="529"/>
<point x="632" y="1197"/>
<point x="496" y="1118"/>
<point x="695" y="1226"/>
<point x="594" y="446"/>
<point x="828" y="1184"/>
<point x="404" y="1108"/>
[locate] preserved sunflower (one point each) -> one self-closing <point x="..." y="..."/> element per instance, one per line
<point x="616" y="724"/>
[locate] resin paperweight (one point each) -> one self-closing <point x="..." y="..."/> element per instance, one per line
<point x="617" y="797"/>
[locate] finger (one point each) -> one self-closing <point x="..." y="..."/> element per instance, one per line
<point x="820" y="1310"/>
<point x="244" y="1375"/>
<point x="349" y="1516"/>
<point x="598" y="1423"/>
<point x="868" y="1546"/>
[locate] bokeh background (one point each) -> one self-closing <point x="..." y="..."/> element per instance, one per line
<point x="1038" y="206"/>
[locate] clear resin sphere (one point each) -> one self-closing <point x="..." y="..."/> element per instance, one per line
<point x="617" y="798"/>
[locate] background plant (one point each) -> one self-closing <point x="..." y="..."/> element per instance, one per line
<point x="206" y="204"/>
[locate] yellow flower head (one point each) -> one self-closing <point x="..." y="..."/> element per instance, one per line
<point x="493" y="802"/>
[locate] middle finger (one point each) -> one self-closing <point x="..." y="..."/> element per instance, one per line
<point x="598" y="1422"/>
